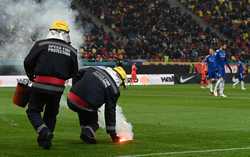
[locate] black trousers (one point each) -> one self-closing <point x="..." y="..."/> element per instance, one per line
<point x="87" y="118"/>
<point x="48" y="102"/>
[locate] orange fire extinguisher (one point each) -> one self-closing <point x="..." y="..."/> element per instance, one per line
<point x="22" y="93"/>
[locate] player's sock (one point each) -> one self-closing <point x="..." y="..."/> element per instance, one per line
<point x="211" y="87"/>
<point x="242" y="85"/>
<point x="223" y="85"/>
<point x="216" y="86"/>
<point x="221" y="90"/>
<point x="236" y="82"/>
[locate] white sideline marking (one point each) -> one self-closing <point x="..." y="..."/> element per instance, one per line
<point x="188" y="152"/>
<point x="233" y="97"/>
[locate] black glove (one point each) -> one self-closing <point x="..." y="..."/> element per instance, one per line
<point x="31" y="77"/>
<point x="114" y="137"/>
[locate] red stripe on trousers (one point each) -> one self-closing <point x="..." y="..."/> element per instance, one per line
<point x="77" y="100"/>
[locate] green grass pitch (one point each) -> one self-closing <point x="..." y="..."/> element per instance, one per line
<point x="180" y="118"/>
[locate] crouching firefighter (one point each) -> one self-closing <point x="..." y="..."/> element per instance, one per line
<point x="92" y="88"/>
<point x="49" y="63"/>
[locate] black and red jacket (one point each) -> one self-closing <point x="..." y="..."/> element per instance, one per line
<point x="50" y="62"/>
<point x="93" y="87"/>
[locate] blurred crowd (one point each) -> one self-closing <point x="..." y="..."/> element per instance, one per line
<point x="230" y="17"/>
<point x="100" y="45"/>
<point x="150" y="30"/>
<point x="153" y="30"/>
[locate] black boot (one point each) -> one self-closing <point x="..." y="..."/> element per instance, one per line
<point x="44" y="139"/>
<point x="88" y="135"/>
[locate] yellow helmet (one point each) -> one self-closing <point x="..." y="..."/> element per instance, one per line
<point x="60" y="25"/>
<point x="121" y="72"/>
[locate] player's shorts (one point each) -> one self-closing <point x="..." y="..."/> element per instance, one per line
<point x="221" y="72"/>
<point x="212" y="75"/>
<point x="203" y="76"/>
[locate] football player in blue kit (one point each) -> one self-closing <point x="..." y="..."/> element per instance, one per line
<point x="210" y="60"/>
<point x="240" y="73"/>
<point x="221" y="61"/>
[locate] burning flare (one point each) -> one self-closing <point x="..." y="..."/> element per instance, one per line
<point x="124" y="129"/>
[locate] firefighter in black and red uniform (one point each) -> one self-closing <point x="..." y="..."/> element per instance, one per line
<point x="92" y="88"/>
<point x="49" y="63"/>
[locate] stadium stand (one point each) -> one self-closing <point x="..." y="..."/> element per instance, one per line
<point x="153" y="29"/>
<point x="228" y="16"/>
<point x="99" y="45"/>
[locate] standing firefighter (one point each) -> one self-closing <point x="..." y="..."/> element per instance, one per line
<point x="49" y="63"/>
<point x="92" y="88"/>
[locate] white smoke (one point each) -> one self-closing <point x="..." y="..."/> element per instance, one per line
<point x="123" y="128"/>
<point x="23" y="21"/>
